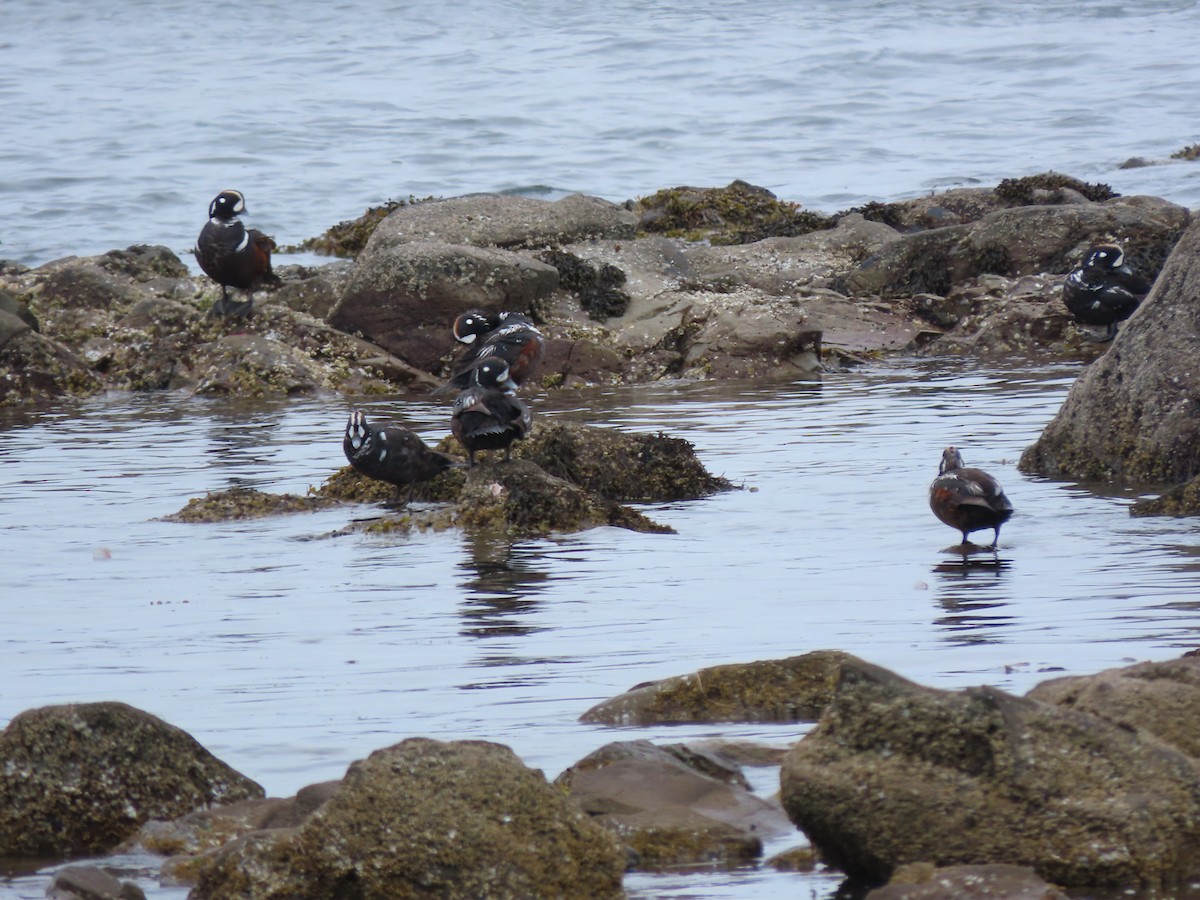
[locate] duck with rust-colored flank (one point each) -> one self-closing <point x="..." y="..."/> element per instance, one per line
<point x="488" y="415"/>
<point x="968" y="499"/>
<point x="391" y="453"/>
<point x="1104" y="290"/>
<point x="512" y="337"/>
<point x="233" y="255"/>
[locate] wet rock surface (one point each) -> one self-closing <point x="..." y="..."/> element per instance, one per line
<point x="673" y="805"/>
<point x="82" y="778"/>
<point x="91" y="883"/>
<point x="463" y="819"/>
<point x="896" y="773"/>
<point x="796" y="689"/>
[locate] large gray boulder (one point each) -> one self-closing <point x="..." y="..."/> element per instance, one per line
<point x="897" y="773"/>
<point x="423" y="818"/>
<point x="500" y="220"/>
<point x="1162" y="698"/>
<point x="82" y="778"/>
<point x="1132" y="415"/>
<point x="404" y="297"/>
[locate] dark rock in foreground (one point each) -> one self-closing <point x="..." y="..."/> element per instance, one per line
<point x="82" y="778"/>
<point x="896" y="773"/>
<point x="1132" y="415"/>
<point x="673" y="805"/>
<point x="1179" y="501"/>
<point x="785" y="690"/>
<point x="464" y="819"/>
<point x="90" y="883"/>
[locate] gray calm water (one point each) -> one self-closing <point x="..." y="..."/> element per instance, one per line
<point x="121" y="121"/>
<point x="289" y="652"/>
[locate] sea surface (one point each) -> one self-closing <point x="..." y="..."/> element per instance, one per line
<point x="288" y="651"/>
<point x="122" y="121"/>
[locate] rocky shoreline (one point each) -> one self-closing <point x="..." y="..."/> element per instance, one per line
<point x="688" y="283"/>
<point x="1086" y="782"/>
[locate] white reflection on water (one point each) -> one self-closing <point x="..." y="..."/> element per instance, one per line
<point x="289" y="653"/>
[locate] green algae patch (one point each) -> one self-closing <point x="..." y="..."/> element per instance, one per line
<point x="244" y="503"/>
<point x="348" y="238"/>
<point x="740" y="213"/>
<point x="1022" y="191"/>
<point x="640" y="468"/>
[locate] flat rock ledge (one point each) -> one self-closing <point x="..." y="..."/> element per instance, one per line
<point x="796" y="689"/>
<point x="565" y="478"/>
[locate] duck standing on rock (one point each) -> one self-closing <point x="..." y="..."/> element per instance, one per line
<point x="488" y="415"/>
<point x="512" y="337"/>
<point x="391" y="453"/>
<point x="968" y="499"/>
<point x="1104" y="290"/>
<point x="233" y="255"/>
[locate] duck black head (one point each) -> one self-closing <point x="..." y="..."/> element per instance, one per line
<point x="471" y="325"/>
<point x="226" y="206"/>
<point x="1104" y="256"/>
<point x="492" y="372"/>
<point x="951" y="460"/>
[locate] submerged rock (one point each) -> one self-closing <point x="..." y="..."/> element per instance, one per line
<point x="1131" y="415"/>
<point x="81" y="778"/>
<point x="598" y="468"/>
<point x="897" y="773"/>
<point x="795" y="689"/>
<point x="463" y="819"/>
<point x="922" y="881"/>
<point x="673" y="805"/>
<point x="1181" y="500"/>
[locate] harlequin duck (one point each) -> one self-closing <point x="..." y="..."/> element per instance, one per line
<point x="391" y="453"/>
<point x="510" y="336"/>
<point x="968" y="499"/>
<point x="487" y="416"/>
<point x="232" y="255"/>
<point x="1104" y="290"/>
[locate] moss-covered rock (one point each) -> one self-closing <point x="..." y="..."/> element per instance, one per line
<point x="245" y="503"/>
<point x="896" y="773"/>
<point x="1050" y="188"/>
<point x="924" y="881"/>
<point x="464" y="819"/>
<point x="598" y="285"/>
<point x="616" y="465"/>
<point x="795" y="689"/>
<point x="82" y="778"/>
<point x="1179" y="501"/>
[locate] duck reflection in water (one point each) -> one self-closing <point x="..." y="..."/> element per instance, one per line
<point x="501" y="585"/>
<point x="972" y="589"/>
